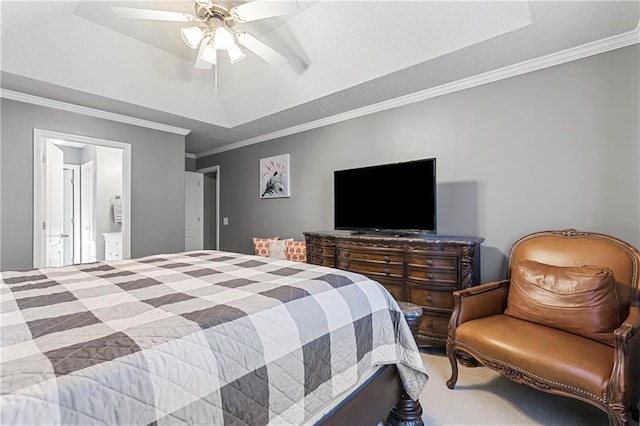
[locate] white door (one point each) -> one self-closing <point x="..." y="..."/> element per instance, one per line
<point x="194" y="211"/>
<point x="88" y="252"/>
<point x="54" y="206"/>
<point x="68" y="216"/>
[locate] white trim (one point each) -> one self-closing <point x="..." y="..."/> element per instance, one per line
<point x="557" y="58"/>
<point x="189" y="155"/>
<point x="217" y="170"/>
<point x="39" y="139"/>
<point x="76" y="211"/>
<point x="92" y="112"/>
<point x="38" y="198"/>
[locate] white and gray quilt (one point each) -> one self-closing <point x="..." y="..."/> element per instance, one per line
<point x="204" y="337"/>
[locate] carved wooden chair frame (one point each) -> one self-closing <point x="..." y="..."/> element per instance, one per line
<point x="618" y="402"/>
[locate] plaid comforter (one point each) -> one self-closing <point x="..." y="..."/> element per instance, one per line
<point x="204" y="337"/>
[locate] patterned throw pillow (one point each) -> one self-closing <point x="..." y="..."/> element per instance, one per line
<point x="277" y="248"/>
<point x="261" y="245"/>
<point x="297" y="251"/>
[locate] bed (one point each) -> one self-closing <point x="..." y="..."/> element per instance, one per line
<point x="202" y="337"/>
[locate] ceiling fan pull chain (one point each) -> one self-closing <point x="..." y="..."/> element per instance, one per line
<point x="215" y="79"/>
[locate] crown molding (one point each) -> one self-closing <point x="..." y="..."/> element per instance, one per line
<point x="568" y="55"/>
<point x="600" y="46"/>
<point x="64" y="106"/>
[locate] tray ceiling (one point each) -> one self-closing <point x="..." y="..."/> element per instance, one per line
<point x="342" y="56"/>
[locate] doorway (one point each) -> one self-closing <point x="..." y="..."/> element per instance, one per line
<point x="74" y="208"/>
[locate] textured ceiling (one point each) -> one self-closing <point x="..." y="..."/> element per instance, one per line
<point x="342" y="56"/>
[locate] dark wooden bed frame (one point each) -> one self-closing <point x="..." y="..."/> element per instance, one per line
<point x="381" y="398"/>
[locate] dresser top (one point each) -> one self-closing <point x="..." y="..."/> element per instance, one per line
<point x="399" y="236"/>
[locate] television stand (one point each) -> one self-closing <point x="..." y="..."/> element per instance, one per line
<point x="423" y="269"/>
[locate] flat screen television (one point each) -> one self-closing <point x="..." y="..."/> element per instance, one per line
<point x="394" y="198"/>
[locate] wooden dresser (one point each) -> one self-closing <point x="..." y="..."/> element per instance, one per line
<point x="423" y="269"/>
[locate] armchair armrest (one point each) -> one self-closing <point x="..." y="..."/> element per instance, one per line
<point x="626" y="368"/>
<point x="478" y="302"/>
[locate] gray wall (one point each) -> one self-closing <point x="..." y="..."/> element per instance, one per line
<point x="555" y="148"/>
<point x="189" y="164"/>
<point x="157" y="179"/>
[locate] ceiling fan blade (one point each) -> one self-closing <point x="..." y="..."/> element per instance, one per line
<point x="261" y="9"/>
<point x="260" y="49"/>
<point x="158" y="15"/>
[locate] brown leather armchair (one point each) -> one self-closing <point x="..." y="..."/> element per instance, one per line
<point x="595" y="366"/>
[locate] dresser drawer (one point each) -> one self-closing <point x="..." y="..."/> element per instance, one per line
<point x="320" y="260"/>
<point x="395" y="287"/>
<point x="434" y="276"/>
<point x="372" y="268"/>
<point x="430" y="297"/>
<point x="434" y="324"/>
<point x="433" y="262"/>
<point x="322" y="250"/>
<point x="373" y="256"/>
<point x="112" y="255"/>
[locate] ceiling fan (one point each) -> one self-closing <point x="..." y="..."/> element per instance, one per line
<point x="214" y="28"/>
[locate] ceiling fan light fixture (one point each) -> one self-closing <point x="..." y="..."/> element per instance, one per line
<point x="235" y="53"/>
<point x="223" y="38"/>
<point x="209" y="53"/>
<point x="192" y="36"/>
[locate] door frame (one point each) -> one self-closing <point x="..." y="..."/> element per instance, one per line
<point x="204" y="171"/>
<point x="76" y="210"/>
<point x="40" y="136"/>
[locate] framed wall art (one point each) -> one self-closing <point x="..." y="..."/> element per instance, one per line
<point x="274" y="176"/>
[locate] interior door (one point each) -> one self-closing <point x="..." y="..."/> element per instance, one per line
<point x="54" y="205"/>
<point x="68" y="216"/>
<point x="194" y="211"/>
<point x="88" y="252"/>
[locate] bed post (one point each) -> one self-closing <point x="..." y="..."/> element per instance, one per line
<point x="407" y="412"/>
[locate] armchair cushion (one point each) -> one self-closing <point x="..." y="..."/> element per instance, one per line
<point x="557" y="356"/>
<point x="580" y="300"/>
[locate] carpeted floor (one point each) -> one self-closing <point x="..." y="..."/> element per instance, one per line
<point x="483" y="397"/>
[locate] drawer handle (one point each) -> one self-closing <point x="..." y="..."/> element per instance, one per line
<point x="386" y="271"/>
<point x="320" y="251"/>
<point x="429" y="262"/>
<point x="429" y="324"/>
<point x="346" y="254"/>
<point x="365" y="256"/>
<point x="430" y="275"/>
<point x="429" y="299"/>
<point x="386" y="259"/>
